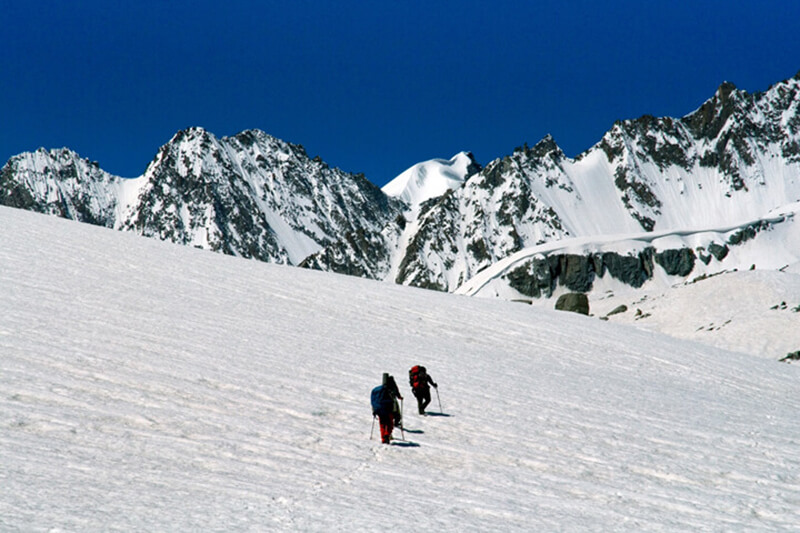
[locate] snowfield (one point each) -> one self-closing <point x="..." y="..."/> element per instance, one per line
<point x="755" y="312"/>
<point x="151" y="387"/>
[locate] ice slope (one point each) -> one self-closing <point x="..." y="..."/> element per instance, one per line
<point x="149" y="386"/>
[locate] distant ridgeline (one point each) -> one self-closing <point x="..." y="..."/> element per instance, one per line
<point x="684" y="192"/>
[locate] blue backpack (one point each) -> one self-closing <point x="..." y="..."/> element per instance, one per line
<point x="382" y="402"/>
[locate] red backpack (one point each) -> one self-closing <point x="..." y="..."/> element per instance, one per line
<point x="416" y="376"/>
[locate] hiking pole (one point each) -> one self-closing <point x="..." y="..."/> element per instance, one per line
<point x="371" y="431"/>
<point x="439" y="399"/>
<point x="402" y="420"/>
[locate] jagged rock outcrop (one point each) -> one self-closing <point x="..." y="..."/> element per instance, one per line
<point x="361" y="253"/>
<point x="540" y="276"/>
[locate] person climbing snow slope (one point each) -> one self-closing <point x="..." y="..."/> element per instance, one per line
<point x="384" y="406"/>
<point x="420" y="383"/>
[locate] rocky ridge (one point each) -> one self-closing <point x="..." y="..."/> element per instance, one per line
<point x="733" y="159"/>
<point x="249" y="195"/>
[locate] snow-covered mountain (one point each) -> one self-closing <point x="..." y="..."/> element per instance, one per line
<point x="383" y="255"/>
<point x="731" y="161"/>
<point x="432" y="179"/>
<point x="147" y="386"/>
<point x="60" y="182"/>
<point x="249" y="195"/>
<point x="440" y="223"/>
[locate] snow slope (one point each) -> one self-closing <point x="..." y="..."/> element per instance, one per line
<point x="697" y="306"/>
<point x="430" y="179"/>
<point x="149" y="386"/>
<point x="755" y="312"/>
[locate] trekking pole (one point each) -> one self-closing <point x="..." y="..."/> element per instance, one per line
<point x="402" y="420"/>
<point x="439" y="399"/>
<point x="371" y="431"/>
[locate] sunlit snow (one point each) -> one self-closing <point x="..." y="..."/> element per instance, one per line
<point x="152" y="387"/>
<point x="429" y="179"/>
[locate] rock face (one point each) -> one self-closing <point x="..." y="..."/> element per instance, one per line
<point x="678" y="262"/>
<point x="252" y="195"/>
<point x="731" y="160"/>
<point x="665" y="258"/>
<point x="360" y="253"/>
<point x="540" y="275"/>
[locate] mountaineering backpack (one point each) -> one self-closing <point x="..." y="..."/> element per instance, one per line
<point x="382" y="400"/>
<point x="416" y="377"/>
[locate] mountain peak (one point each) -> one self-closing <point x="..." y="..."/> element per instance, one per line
<point x="433" y="178"/>
<point x="191" y="134"/>
<point x="443" y="220"/>
<point x="709" y="119"/>
<point x="725" y="89"/>
<point x="547" y="146"/>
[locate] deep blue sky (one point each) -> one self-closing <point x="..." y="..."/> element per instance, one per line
<point x="371" y="87"/>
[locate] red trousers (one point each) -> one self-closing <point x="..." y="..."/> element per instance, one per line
<point x="387" y="424"/>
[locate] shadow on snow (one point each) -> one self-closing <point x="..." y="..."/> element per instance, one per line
<point x="405" y="443"/>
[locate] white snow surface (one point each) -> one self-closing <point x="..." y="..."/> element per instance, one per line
<point x="149" y="386"/>
<point x="755" y="312"/>
<point x="429" y="179"/>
